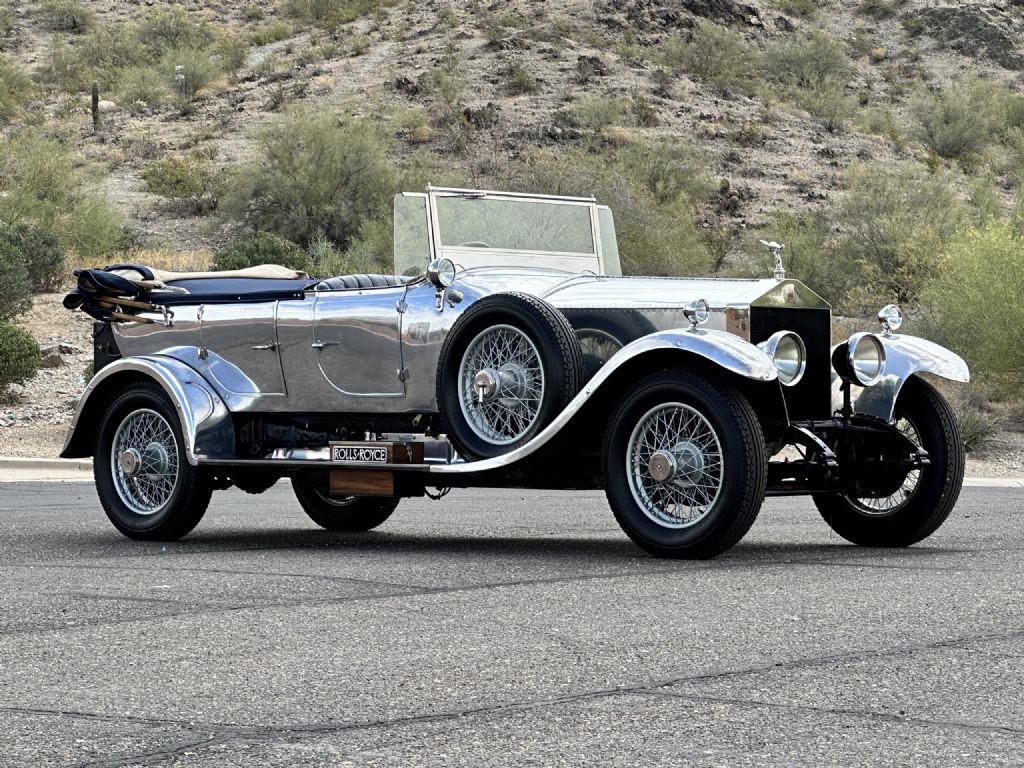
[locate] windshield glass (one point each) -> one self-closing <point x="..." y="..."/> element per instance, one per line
<point x="514" y="225"/>
<point x="412" y="234"/>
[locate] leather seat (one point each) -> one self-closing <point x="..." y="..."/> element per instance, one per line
<point x="351" y="282"/>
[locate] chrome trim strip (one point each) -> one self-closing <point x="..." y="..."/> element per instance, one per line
<point x="724" y="349"/>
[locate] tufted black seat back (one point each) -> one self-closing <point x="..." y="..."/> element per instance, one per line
<point x="349" y="282"/>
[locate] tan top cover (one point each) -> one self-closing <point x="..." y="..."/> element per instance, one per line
<point x="164" y="279"/>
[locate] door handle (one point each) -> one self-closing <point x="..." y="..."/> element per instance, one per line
<point x="318" y="345"/>
<point x="261" y="347"/>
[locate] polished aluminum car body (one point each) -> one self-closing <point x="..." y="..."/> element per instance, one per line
<point x="372" y="352"/>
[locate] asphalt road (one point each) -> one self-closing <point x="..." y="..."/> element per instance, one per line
<point x="503" y="628"/>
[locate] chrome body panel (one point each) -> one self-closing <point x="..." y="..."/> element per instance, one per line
<point x="724" y="349"/>
<point x="905" y="356"/>
<point x="375" y="350"/>
<point x="203" y="415"/>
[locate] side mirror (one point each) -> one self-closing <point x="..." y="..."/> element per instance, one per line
<point x="441" y="273"/>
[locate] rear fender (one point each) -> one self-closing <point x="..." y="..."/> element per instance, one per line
<point x="202" y="414"/>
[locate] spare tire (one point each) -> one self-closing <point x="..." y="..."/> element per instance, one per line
<point x="509" y="365"/>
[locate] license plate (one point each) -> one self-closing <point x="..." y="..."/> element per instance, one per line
<point x="359" y="454"/>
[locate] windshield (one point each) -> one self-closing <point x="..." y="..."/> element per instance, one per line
<point x="514" y="225"/>
<point x="503" y="230"/>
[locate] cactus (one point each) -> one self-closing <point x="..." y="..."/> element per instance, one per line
<point x="95" y="106"/>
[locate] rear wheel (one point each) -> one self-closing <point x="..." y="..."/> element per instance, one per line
<point x="145" y="483"/>
<point x="340" y="513"/>
<point x="684" y="465"/>
<point x="922" y="503"/>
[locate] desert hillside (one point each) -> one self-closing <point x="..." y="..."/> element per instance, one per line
<point x="881" y="140"/>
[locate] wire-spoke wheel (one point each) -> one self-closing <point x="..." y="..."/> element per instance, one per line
<point x="509" y="365"/>
<point x="899" y="498"/>
<point x="685" y="465"/>
<point x="144" y="461"/>
<point x="145" y="483"/>
<point x="927" y="495"/>
<point x="501" y="379"/>
<point x="674" y="461"/>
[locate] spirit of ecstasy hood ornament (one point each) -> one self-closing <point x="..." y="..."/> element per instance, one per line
<point x="776" y="249"/>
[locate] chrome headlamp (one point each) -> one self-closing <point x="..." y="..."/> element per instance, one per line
<point x="861" y="360"/>
<point x="788" y="352"/>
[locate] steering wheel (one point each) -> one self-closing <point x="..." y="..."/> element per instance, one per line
<point x="474" y="244"/>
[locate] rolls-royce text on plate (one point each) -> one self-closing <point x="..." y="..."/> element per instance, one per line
<point x="507" y="349"/>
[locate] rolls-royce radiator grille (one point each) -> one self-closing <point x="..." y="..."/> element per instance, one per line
<point x="811" y="398"/>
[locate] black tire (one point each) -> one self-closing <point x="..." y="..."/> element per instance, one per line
<point x="602" y="334"/>
<point x="938" y="486"/>
<point x="743" y="475"/>
<point x="557" y="348"/>
<point x="340" y="513"/>
<point x="191" y="493"/>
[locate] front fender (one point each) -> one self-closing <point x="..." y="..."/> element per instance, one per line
<point x="204" y="418"/>
<point x="905" y="356"/>
<point x="725" y="350"/>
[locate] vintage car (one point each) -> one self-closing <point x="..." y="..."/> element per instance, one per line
<point x="507" y="349"/>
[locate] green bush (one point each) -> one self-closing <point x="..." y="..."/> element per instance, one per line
<point x="19" y="356"/>
<point x="101" y="55"/>
<point x="142" y="89"/>
<point x="803" y="8"/>
<point x="596" y="113"/>
<point x="260" y="248"/>
<point x="172" y="29"/>
<point x="15" y="88"/>
<point x="879" y="9"/>
<point x="233" y="51"/>
<point x="331" y="13"/>
<point x="7" y="20"/>
<point x="66" y="15"/>
<point x="38" y="250"/>
<point x="897" y="219"/>
<point x="43" y="187"/>
<point x="959" y="122"/>
<point x="15" y="284"/>
<point x="807" y="62"/>
<point x="189" y="70"/>
<point x="520" y="80"/>
<point x="713" y="53"/>
<point x="186" y="180"/>
<point x="654" y="238"/>
<point x="671" y="172"/>
<point x="974" y="304"/>
<point x="273" y="32"/>
<point x="314" y="175"/>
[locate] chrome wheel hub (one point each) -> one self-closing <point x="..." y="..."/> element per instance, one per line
<point x="501" y="384"/>
<point x="130" y="461"/>
<point x="674" y="465"/>
<point x="144" y="462"/>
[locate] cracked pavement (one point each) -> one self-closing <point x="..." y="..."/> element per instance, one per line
<point x="503" y="628"/>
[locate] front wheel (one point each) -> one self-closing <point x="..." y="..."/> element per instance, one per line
<point x="684" y="465"/>
<point x="922" y="503"/>
<point x="145" y="483"/>
<point x="340" y="513"/>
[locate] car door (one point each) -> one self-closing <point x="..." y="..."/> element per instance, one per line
<point x="240" y="348"/>
<point x="357" y="336"/>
